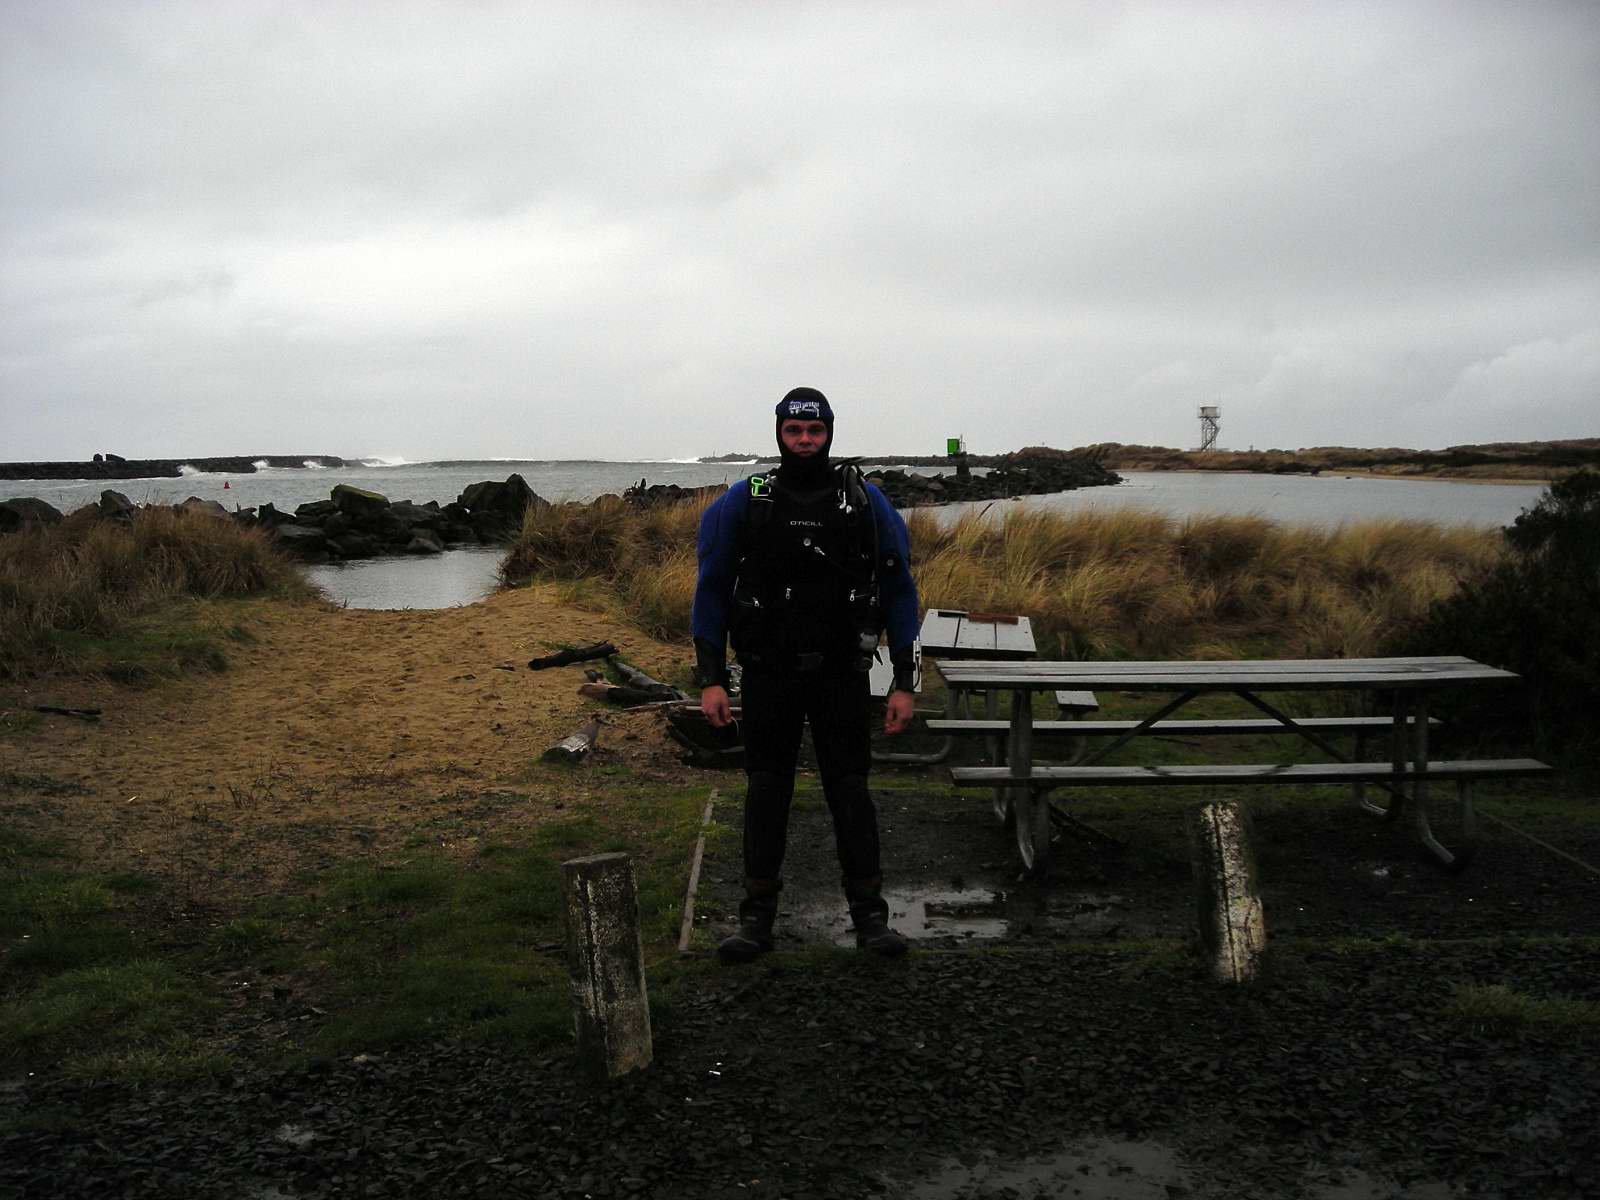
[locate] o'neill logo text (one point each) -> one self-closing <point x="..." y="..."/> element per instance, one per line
<point x="805" y="408"/>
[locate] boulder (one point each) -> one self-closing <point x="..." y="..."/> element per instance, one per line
<point x="384" y="526"/>
<point x="209" y="508"/>
<point x="337" y="524"/>
<point x="302" y="539"/>
<point x="358" y="502"/>
<point x="501" y="503"/>
<point x="315" y="512"/>
<point x="116" y="506"/>
<point x="357" y="545"/>
<point x="270" y="517"/>
<point x="425" y="541"/>
<point x="26" y="510"/>
<point x="416" y="514"/>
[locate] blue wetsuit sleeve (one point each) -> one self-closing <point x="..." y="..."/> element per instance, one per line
<point x="896" y="590"/>
<point x="717" y="550"/>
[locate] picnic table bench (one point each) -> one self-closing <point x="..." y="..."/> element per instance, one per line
<point x="1023" y="785"/>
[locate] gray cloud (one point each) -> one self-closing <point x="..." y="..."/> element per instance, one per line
<point x="440" y="230"/>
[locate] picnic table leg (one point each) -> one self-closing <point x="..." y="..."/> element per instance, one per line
<point x="1399" y="747"/>
<point x="1004" y="812"/>
<point x="1454" y="860"/>
<point x="1361" y="756"/>
<point x="1031" y="808"/>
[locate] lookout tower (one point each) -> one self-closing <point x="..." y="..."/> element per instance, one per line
<point x="1210" y="423"/>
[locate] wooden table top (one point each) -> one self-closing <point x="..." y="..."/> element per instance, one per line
<point x="953" y="633"/>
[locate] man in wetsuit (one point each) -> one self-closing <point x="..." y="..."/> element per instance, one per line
<point x="803" y="568"/>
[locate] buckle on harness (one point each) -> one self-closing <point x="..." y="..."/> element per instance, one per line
<point x="809" y="662"/>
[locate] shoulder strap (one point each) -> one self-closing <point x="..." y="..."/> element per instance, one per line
<point x="757" y="514"/>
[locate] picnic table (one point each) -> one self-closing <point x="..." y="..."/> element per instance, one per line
<point x="1405" y="684"/>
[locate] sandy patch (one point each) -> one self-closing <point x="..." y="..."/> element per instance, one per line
<point x="357" y="726"/>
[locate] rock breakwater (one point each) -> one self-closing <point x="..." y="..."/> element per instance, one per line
<point x="1021" y="474"/>
<point x="351" y="523"/>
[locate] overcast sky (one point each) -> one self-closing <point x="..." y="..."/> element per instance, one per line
<point x="612" y="230"/>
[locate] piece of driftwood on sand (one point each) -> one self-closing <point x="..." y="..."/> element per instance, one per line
<point x="612" y="693"/>
<point x="635" y="678"/>
<point x="562" y="658"/>
<point x="575" y="746"/>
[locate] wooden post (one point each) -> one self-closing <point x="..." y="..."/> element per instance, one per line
<point x="610" y="1010"/>
<point x="1233" y="928"/>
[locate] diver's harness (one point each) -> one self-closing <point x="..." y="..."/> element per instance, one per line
<point x="864" y="561"/>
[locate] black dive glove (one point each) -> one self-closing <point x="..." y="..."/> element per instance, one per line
<point x="710" y="665"/>
<point x="905" y="670"/>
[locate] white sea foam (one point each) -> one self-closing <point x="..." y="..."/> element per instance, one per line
<point x="385" y="462"/>
<point x="186" y="469"/>
<point x="312" y="464"/>
<point x="261" y="464"/>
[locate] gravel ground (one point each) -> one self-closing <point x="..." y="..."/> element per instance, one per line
<point x="1058" y="1042"/>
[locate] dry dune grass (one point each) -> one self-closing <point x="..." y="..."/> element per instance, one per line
<point x="87" y="577"/>
<point x="1095" y="584"/>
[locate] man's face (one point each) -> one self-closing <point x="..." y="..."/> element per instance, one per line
<point x="803" y="439"/>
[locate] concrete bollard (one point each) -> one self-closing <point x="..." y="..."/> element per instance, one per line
<point x="1233" y="928"/>
<point x="610" y="1009"/>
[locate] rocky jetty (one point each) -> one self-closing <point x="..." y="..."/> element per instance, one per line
<point x="1022" y="474"/>
<point x="1014" y="475"/>
<point x="114" y="466"/>
<point x="351" y="523"/>
<point x="356" y="523"/>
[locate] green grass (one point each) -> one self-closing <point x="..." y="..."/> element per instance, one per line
<point x="392" y="950"/>
<point x="428" y="946"/>
<point x="1497" y="1008"/>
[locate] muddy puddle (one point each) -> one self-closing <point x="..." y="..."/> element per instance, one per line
<point x="942" y="914"/>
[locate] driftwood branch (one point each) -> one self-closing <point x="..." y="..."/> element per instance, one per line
<point x="574" y="747"/>
<point x="562" y="658"/>
<point x="83" y="714"/>
<point x="636" y="678"/>
<point x="613" y="694"/>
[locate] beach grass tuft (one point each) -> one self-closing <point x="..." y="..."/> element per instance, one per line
<point x="1122" y="583"/>
<point x="126" y="599"/>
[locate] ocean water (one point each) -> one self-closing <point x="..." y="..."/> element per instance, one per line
<point x="465" y="576"/>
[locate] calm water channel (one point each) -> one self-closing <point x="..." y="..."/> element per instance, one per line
<point x="465" y="576"/>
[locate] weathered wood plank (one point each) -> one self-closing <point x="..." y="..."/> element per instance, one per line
<point x="1035" y="676"/>
<point x="1369" y="772"/>
<point x="1169" y="726"/>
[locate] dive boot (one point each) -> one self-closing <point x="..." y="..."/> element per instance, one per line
<point x="753" y="938"/>
<point x="870" y="912"/>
